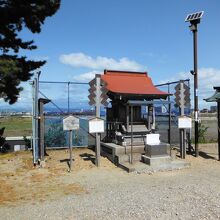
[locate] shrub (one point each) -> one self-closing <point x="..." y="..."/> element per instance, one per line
<point x="202" y="133"/>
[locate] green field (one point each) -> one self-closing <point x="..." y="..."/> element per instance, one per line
<point x="16" y="126"/>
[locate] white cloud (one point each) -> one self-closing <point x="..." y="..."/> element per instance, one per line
<point x="86" y="77"/>
<point x="99" y="62"/>
<point x="207" y="79"/>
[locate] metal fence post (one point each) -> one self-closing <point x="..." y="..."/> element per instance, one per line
<point x="35" y="120"/>
<point x="169" y="107"/>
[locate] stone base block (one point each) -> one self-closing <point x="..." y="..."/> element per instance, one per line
<point x="156" y="150"/>
<point x="156" y="161"/>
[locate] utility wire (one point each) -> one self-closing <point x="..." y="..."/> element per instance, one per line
<point x="51" y="102"/>
<point x="76" y="83"/>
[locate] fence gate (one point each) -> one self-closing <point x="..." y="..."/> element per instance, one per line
<point x="59" y="99"/>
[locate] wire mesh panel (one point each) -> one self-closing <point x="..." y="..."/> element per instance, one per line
<point x="162" y="114"/>
<point x="65" y="98"/>
<point x="72" y="98"/>
<point x="56" y="137"/>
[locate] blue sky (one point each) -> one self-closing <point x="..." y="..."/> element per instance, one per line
<point x="84" y="37"/>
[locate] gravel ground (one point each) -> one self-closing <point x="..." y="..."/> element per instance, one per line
<point x="111" y="193"/>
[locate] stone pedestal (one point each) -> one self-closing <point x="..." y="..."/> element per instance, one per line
<point x="156" y="155"/>
<point x="156" y="150"/>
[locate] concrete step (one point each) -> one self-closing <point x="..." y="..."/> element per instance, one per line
<point x="164" y="163"/>
<point x="136" y="166"/>
<point x="120" y="150"/>
<point x="156" y="161"/>
<point x="120" y="156"/>
<point x="127" y="157"/>
<point x="140" y="167"/>
<point x="127" y="150"/>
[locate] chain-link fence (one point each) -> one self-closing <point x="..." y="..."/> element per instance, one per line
<point x="72" y="98"/>
<point x="163" y="116"/>
<point x="65" y="98"/>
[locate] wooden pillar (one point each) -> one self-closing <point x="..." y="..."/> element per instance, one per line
<point x="127" y="117"/>
<point x="148" y="117"/>
<point x="41" y="127"/>
<point x="132" y="118"/>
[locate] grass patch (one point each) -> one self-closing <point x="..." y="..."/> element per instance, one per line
<point x="16" y="126"/>
<point x="12" y="155"/>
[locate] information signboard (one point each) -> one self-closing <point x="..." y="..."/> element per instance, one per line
<point x="70" y="123"/>
<point x="184" y="122"/>
<point x="96" y="125"/>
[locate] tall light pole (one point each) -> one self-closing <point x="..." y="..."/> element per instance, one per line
<point x="194" y="20"/>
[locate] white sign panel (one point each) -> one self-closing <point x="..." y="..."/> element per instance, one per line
<point x="70" y="123"/>
<point x="184" y="122"/>
<point x="96" y="125"/>
<point x="153" y="139"/>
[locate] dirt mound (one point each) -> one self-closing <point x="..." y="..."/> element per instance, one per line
<point x="22" y="182"/>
